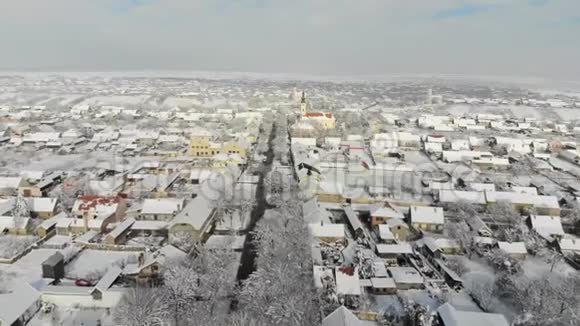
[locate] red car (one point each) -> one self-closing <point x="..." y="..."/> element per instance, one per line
<point x="83" y="282"/>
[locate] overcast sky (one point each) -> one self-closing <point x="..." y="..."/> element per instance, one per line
<point x="483" y="37"/>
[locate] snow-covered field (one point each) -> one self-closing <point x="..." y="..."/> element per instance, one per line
<point x="568" y="114"/>
<point x="116" y="100"/>
<point x="173" y="101"/>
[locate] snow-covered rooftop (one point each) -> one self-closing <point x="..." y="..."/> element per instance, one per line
<point x="162" y="205"/>
<point x="430" y="215"/>
<point x="512" y="247"/>
<point x="319" y="230"/>
<point x="454" y="317"/>
<point x="346" y="283"/>
<point x="547" y="226"/>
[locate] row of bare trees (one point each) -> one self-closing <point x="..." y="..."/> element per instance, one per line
<point x="195" y="291"/>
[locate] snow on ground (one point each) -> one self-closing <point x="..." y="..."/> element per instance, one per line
<point x="7" y="96"/>
<point x="521" y="112"/>
<point x="58" y="240"/>
<point x="11" y="245"/>
<point x="84" y="161"/>
<point x="476" y="266"/>
<point x="422" y="297"/>
<point x="536" y="268"/>
<point x="388" y="302"/>
<point x="173" y="101"/>
<point x="463" y="109"/>
<point x="568" y="114"/>
<point x="68" y="99"/>
<point x="93" y="263"/>
<point x="116" y="100"/>
<point x="27" y="268"/>
<point x="420" y="161"/>
<point x="73" y="317"/>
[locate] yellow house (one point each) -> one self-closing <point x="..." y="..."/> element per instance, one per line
<point x="43" y="208"/>
<point x="382" y="214"/>
<point x="119" y="234"/>
<point x="199" y="146"/>
<point x="430" y="219"/>
<point x="11" y="225"/>
<point x="193" y="222"/>
<point x="202" y="146"/>
<point x="234" y="148"/>
<point x="399" y="229"/>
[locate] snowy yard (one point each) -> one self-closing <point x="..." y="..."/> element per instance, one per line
<point x="11" y="245"/>
<point x="422" y="297"/>
<point x="27" y="268"/>
<point x="420" y="162"/>
<point x="92" y="264"/>
<point x="536" y="267"/>
<point x="73" y="317"/>
<point x="58" y="241"/>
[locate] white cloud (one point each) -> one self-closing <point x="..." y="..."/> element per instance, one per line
<point x="312" y="36"/>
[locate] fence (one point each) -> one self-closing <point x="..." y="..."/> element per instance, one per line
<point x="26" y="251"/>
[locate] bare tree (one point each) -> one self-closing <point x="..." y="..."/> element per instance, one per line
<point x="481" y="287"/>
<point x="141" y="306"/>
<point x="550" y="299"/>
<point x="195" y="288"/>
<point x="503" y="262"/>
<point x="280" y="291"/>
<point x="456" y="264"/>
<point x="461" y="233"/>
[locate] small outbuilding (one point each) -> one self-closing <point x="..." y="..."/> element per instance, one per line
<point x="53" y="267"/>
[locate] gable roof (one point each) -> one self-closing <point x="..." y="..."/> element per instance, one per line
<point x="401" y="248"/>
<point x="512" y="247"/>
<point x="195" y="213"/>
<point x="14" y="303"/>
<point x="319" y="230"/>
<point x="162" y="205"/>
<point x="10" y="182"/>
<point x="569" y="244"/>
<point x="41" y="204"/>
<point x="121" y="228"/>
<point x="108" y="279"/>
<point x="385" y="232"/>
<point x="547" y="226"/>
<point x="387" y="212"/>
<point x="162" y="256"/>
<point x="452" y="317"/>
<point x="431" y="215"/>
<point x="341" y="317"/>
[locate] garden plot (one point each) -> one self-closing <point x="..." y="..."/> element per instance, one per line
<point x="12" y="245"/>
